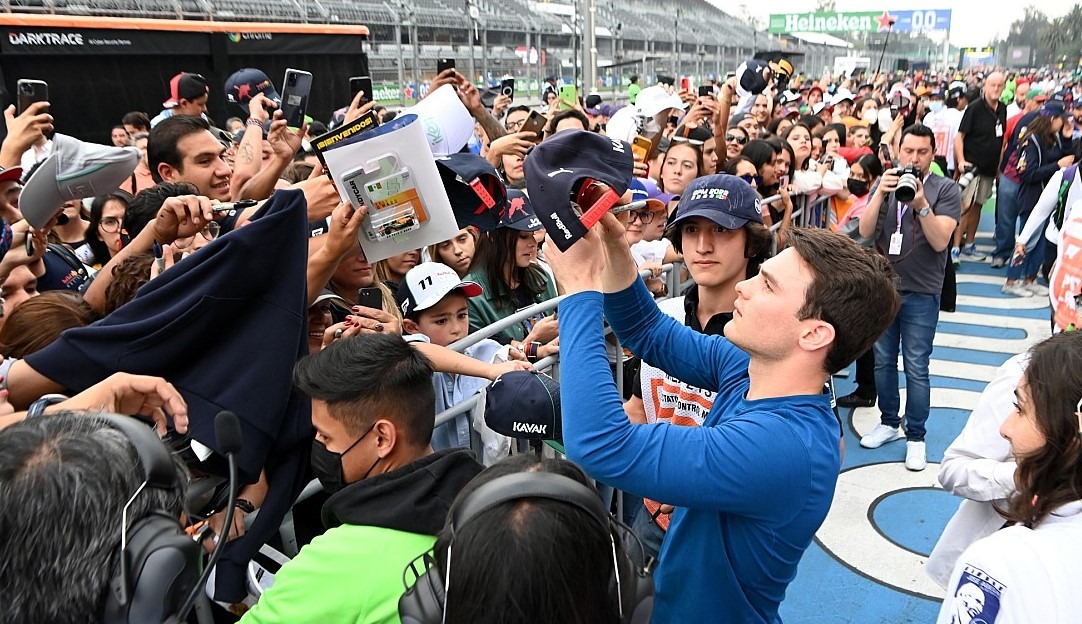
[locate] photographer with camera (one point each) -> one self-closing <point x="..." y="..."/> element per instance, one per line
<point x="915" y="214"/>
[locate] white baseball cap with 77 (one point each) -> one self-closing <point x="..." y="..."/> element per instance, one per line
<point x="75" y="170"/>
<point x="427" y="284"/>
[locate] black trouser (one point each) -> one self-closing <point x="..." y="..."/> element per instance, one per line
<point x="866" y="374"/>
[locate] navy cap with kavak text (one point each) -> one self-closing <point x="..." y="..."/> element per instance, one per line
<point x="524" y="405"/>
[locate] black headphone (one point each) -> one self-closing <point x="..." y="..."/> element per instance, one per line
<point x="633" y="588"/>
<point x="156" y="564"/>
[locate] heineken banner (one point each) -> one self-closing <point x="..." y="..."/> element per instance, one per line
<point x="861" y="21"/>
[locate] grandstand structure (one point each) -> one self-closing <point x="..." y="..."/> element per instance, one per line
<point x="527" y="39"/>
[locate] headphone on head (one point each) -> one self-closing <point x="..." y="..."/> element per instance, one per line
<point x="156" y="564"/>
<point x="632" y="588"/>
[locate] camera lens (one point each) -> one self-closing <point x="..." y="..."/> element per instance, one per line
<point x="907" y="187"/>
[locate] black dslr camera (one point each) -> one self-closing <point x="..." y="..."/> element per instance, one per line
<point x="908" y="179"/>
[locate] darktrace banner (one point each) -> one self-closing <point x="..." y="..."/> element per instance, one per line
<point x="63" y="41"/>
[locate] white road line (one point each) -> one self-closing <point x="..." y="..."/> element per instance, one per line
<point x="850" y="536"/>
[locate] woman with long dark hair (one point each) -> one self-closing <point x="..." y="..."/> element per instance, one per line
<point x="506" y="267"/>
<point x="683" y="163"/>
<point x="1040" y="153"/>
<point x="103" y="232"/>
<point x="1027" y="572"/>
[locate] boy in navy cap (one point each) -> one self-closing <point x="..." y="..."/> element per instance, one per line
<point x="753" y="484"/>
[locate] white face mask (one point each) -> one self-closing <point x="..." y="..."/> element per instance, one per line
<point x="871" y="115"/>
<point x="884" y="119"/>
<point x="935" y="106"/>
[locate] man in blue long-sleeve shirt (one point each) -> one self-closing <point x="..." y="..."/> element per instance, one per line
<point x="754" y="483"/>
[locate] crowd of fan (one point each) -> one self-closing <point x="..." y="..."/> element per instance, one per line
<point x="120" y="301"/>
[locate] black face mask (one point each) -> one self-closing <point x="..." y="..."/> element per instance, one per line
<point x="857" y="187"/>
<point x="327" y="465"/>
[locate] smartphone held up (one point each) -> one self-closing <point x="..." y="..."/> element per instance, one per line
<point x="298" y="86"/>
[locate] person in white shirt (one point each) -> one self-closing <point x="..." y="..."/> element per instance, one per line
<point x="1047" y="206"/>
<point x="1028" y="571"/>
<point x="943" y="119"/>
<point x="979" y="467"/>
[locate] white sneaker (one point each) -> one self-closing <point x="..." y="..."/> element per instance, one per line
<point x="1016" y="289"/>
<point x="881" y="435"/>
<point x="915" y="459"/>
<point x="1036" y="289"/>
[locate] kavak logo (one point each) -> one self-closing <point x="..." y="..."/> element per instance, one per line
<point x="521" y="427"/>
<point x="45" y="39"/>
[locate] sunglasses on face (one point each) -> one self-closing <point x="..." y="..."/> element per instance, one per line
<point x="751" y="179"/>
<point x="730" y="138"/>
<point x="680" y="139"/>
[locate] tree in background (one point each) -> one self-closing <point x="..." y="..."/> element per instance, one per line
<point x="1051" y="41"/>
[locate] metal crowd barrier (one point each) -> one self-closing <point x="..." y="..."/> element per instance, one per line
<point x="671" y="271"/>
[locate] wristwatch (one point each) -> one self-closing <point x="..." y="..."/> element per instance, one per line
<point x="924" y="212"/>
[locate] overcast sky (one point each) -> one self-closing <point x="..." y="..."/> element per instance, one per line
<point x="971" y="21"/>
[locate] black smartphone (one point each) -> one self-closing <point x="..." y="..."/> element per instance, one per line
<point x="706" y="90"/>
<point x="674" y="120"/>
<point x="298" y="86"/>
<point x="358" y="84"/>
<point x="507" y="87"/>
<point x="534" y="123"/>
<point x="30" y="91"/>
<point x="444" y="64"/>
<point x="370" y="297"/>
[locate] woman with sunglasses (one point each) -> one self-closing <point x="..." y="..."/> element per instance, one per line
<point x="762" y="155"/>
<point x="735" y="140"/>
<point x="1027" y="572"/>
<point x="745" y="169"/>
<point x="103" y="232"/>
